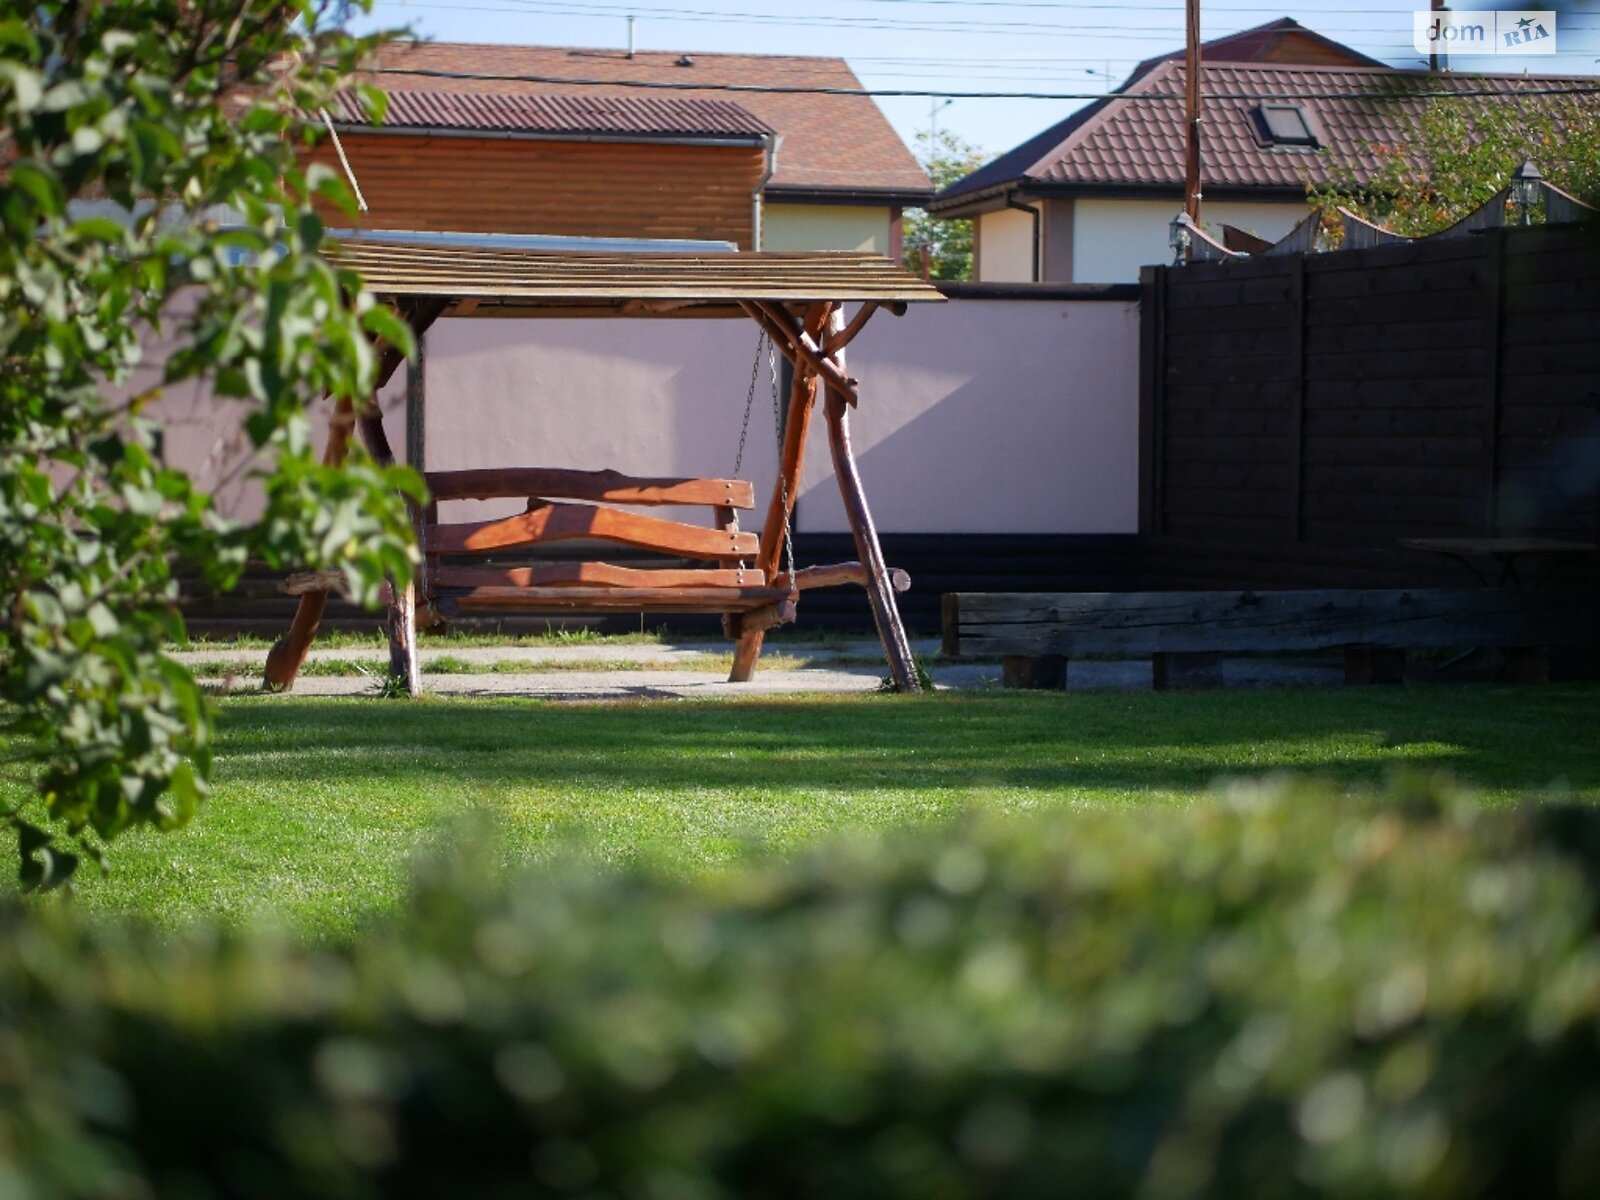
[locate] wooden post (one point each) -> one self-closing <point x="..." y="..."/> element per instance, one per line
<point x="1191" y="72"/>
<point x="1495" y="290"/>
<point x="1192" y="669"/>
<point x="1297" y="397"/>
<point x="1034" y="672"/>
<point x="400" y="621"/>
<point x="796" y="430"/>
<point x="288" y="653"/>
<point x="880" y="593"/>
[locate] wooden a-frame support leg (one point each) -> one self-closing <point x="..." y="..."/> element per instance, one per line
<point x="400" y="622"/>
<point x="880" y="588"/>
<point x="810" y="366"/>
<point x="289" y="652"/>
<point x="796" y="429"/>
<point x="880" y="592"/>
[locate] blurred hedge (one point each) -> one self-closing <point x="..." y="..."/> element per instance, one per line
<point x="1282" y="993"/>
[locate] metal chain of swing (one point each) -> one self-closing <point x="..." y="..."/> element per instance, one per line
<point x="777" y="417"/>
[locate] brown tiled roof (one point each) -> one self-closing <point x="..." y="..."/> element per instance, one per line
<point x="1282" y="41"/>
<point x="1139" y="143"/>
<point x="838" y="144"/>
<point x="620" y="116"/>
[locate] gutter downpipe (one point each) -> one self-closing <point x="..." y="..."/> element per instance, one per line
<point x="771" y="141"/>
<point x="1038" y="244"/>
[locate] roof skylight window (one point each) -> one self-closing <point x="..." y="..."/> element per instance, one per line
<point x="1284" y="125"/>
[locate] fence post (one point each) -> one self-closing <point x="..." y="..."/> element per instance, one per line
<point x="1494" y="287"/>
<point x="1152" y="398"/>
<point x="1297" y="392"/>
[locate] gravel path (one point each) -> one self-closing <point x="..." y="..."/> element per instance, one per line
<point x="666" y="671"/>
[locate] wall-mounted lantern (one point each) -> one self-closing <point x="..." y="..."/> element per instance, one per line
<point x="1180" y="236"/>
<point x="1527" y="189"/>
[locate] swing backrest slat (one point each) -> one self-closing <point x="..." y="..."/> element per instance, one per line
<point x="596" y="486"/>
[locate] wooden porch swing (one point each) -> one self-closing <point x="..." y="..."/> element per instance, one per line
<point x="796" y="300"/>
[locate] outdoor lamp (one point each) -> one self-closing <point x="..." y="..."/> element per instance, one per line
<point x="1527" y="189"/>
<point x="1180" y="235"/>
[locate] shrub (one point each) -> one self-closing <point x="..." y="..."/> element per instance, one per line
<point x="1282" y="993"/>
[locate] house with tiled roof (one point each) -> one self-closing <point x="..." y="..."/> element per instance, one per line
<point x="1091" y="199"/>
<point x="593" y="142"/>
<point x="639" y="167"/>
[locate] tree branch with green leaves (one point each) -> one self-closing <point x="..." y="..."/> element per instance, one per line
<point x="945" y="243"/>
<point x="1457" y="153"/>
<point x="152" y="193"/>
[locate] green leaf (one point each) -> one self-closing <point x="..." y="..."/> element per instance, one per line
<point x="387" y="324"/>
<point x="98" y="229"/>
<point x="27" y="87"/>
<point x="40" y="185"/>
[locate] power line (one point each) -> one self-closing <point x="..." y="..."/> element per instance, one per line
<point x="984" y="27"/>
<point x="813" y="90"/>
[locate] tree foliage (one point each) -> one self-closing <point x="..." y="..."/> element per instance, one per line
<point x="1458" y="152"/>
<point x="180" y="119"/>
<point x="947" y="243"/>
<point x="1283" y="993"/>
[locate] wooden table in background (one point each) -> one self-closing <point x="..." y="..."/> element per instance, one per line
<point x="1521" y="664"/>
<point x="1503" y="552"/>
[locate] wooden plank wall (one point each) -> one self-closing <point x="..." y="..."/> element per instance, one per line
<point x="1302" y="414"/>
<point x="575" y="189"/>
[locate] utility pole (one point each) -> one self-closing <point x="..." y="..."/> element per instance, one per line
<point x="1191" y="73"/>
<point x="925" y="246"/>
<point x="1433" y="55"/>
<point x="935" y="107"/>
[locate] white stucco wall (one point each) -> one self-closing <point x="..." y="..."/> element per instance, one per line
<point x="645" y="397"/>
<point x="825" y="227"/>
<point x="1112" y="239"/>
<point x="993" y="416"/>
<point x="977" y="416"/>
<point x="1005" y="246"/>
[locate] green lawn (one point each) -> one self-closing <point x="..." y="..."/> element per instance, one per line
<point x="319" y="802"/>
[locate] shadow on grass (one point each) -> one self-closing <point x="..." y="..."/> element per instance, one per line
<point x="1493" y="737"/>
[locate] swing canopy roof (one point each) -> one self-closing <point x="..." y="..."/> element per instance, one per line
<point x="518" y="282"/>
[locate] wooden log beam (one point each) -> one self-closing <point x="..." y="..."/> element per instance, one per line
<point x="885" y="613"/>
<point x="594" y="574"/>
<point x="598" y="486"/>
<point x="799" y="346"/>
<point x="1140" y="623"/>
<point x="837" y="342"/>
<point x="839" y="575"/>
<point x="750" y="628"/>
<point x="302" y="582"/>
<point x="554" y="522"/>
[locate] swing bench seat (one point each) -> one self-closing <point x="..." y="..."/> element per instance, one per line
<point x="569" y="505"/>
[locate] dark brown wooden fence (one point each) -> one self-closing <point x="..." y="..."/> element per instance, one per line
<point x="1303" y="414"/>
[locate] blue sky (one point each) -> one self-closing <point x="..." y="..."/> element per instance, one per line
<point x="1065" y="46"/>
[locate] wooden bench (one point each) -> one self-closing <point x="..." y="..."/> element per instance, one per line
<point x="730" y="582"/>
<point x="1186" y="633"/>
<point x="726" y="577"/>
